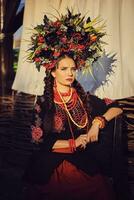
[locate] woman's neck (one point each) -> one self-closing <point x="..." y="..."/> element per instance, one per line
<point x="62" y="88"/>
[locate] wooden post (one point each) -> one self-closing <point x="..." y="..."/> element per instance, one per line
<point x="6" y="54"/>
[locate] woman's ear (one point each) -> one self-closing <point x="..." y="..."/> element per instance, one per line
<point x="53" y="74"/>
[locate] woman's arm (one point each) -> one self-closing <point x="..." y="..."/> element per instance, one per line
<point x="92" y="134"/>
<point x="79" y="142"/>
<point x="45" y="141"/>
<point x="101" y="107"/>
<point x="112" y="113"/>
<point x="94" y="130"/>
<point x="61" y="144"/>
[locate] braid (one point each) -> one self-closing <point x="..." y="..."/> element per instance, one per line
<point x="49" y="103"/>
<point x="84" y="97"/>
<point x="48" y="90"/>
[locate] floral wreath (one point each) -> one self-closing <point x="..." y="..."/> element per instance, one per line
<point x="69" y="34"/>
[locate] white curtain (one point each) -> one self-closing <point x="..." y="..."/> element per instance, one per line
<point x="119" y="17"/>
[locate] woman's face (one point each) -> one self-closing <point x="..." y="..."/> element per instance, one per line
<point x="65" y="72"/>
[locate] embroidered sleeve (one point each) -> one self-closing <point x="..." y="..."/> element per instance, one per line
<point x="108" y="101"/>
<point x="45" y="141"/>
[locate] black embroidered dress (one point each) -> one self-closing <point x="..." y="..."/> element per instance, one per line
<point x="49" y="167"/>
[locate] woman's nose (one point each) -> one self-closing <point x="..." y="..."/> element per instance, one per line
<point x="70" y="73"/>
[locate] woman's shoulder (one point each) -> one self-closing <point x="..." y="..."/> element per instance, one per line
<point x="92" y="97"/>
<point x="101" y="102"/>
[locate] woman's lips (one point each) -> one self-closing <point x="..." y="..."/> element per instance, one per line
<point x="69" y="79"/>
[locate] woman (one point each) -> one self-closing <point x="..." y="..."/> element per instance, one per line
<point x="63" y="127"/>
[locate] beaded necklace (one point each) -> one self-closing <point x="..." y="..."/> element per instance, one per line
<point x="69" y="114"/>
<point x="57" y="100"/>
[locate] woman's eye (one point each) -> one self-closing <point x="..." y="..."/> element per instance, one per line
<point x="74" y="69"/>
<point x="63" y="68"/>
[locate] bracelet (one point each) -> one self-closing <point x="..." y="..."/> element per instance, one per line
<point x="72" y="145"/>
<point x="101" y="120"/>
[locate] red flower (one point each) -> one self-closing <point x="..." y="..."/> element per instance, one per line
<point x="37" y="52"/>
<point x="37" y="59"/>
<point x="41" y="39"/>
<point x="80" y="47"/>
<point x="56" y="24"/>
<point x="50" y="65"/>
<point x="64" y="40"/>
<point x="72" y="46"/>
<point x="77" y="35"/>
<point x="46" y="65"/>
<point x="76" y="46"/>
<point x="56" y="54"/>
<point x="37" y="133"/>
<point x="59" y="32"/>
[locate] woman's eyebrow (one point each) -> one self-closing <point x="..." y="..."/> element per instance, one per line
<point x="69" y="67"/>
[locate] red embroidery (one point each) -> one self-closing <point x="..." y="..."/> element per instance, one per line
<point x="36" y="133"/>
<point x="58" y="124"/>
<point x="108" y="101"/>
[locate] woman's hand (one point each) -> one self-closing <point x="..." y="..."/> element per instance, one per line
<point x="92" y="135"/>
<point x="81" y="141"/>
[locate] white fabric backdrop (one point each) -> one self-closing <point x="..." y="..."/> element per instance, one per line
<point x="119" y="17"/>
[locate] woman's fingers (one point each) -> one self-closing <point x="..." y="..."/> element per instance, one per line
<point x="92" y="137"/>
<point x="82" y="140"/>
